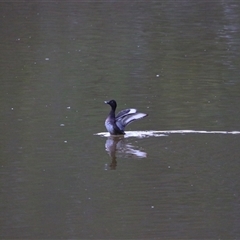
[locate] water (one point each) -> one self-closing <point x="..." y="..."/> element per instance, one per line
<point x="178" y="63"/>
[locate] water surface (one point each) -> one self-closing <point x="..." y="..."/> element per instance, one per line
<point x="178" y="63"/>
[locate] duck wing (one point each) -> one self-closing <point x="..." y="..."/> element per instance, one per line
<point x="122" y="122"/>
<point x="126" y="112"/>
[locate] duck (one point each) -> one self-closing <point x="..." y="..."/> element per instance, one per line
<point x="115" y="124"/>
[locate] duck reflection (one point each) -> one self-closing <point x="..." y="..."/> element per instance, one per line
<point x="115" y="145"/>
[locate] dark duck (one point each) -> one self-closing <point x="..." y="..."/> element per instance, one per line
<point x="115" y="124"/>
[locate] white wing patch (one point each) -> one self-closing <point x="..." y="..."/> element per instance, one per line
<point x="130" y="118"/>
<point x="132" y="110"/>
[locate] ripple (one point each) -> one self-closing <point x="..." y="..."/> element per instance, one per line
<point x="155" y="133"/>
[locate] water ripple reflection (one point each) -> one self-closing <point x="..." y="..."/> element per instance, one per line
<point x="117" y="145"/>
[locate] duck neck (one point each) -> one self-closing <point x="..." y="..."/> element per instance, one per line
<point x="112" y="113"/>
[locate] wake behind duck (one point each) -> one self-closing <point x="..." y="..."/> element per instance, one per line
<point x="154" y="133"/>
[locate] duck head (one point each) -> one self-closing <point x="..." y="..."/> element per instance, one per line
<point x="112" y="103"/>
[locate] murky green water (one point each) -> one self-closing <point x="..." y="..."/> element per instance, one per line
<point x="178" y="63"/>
